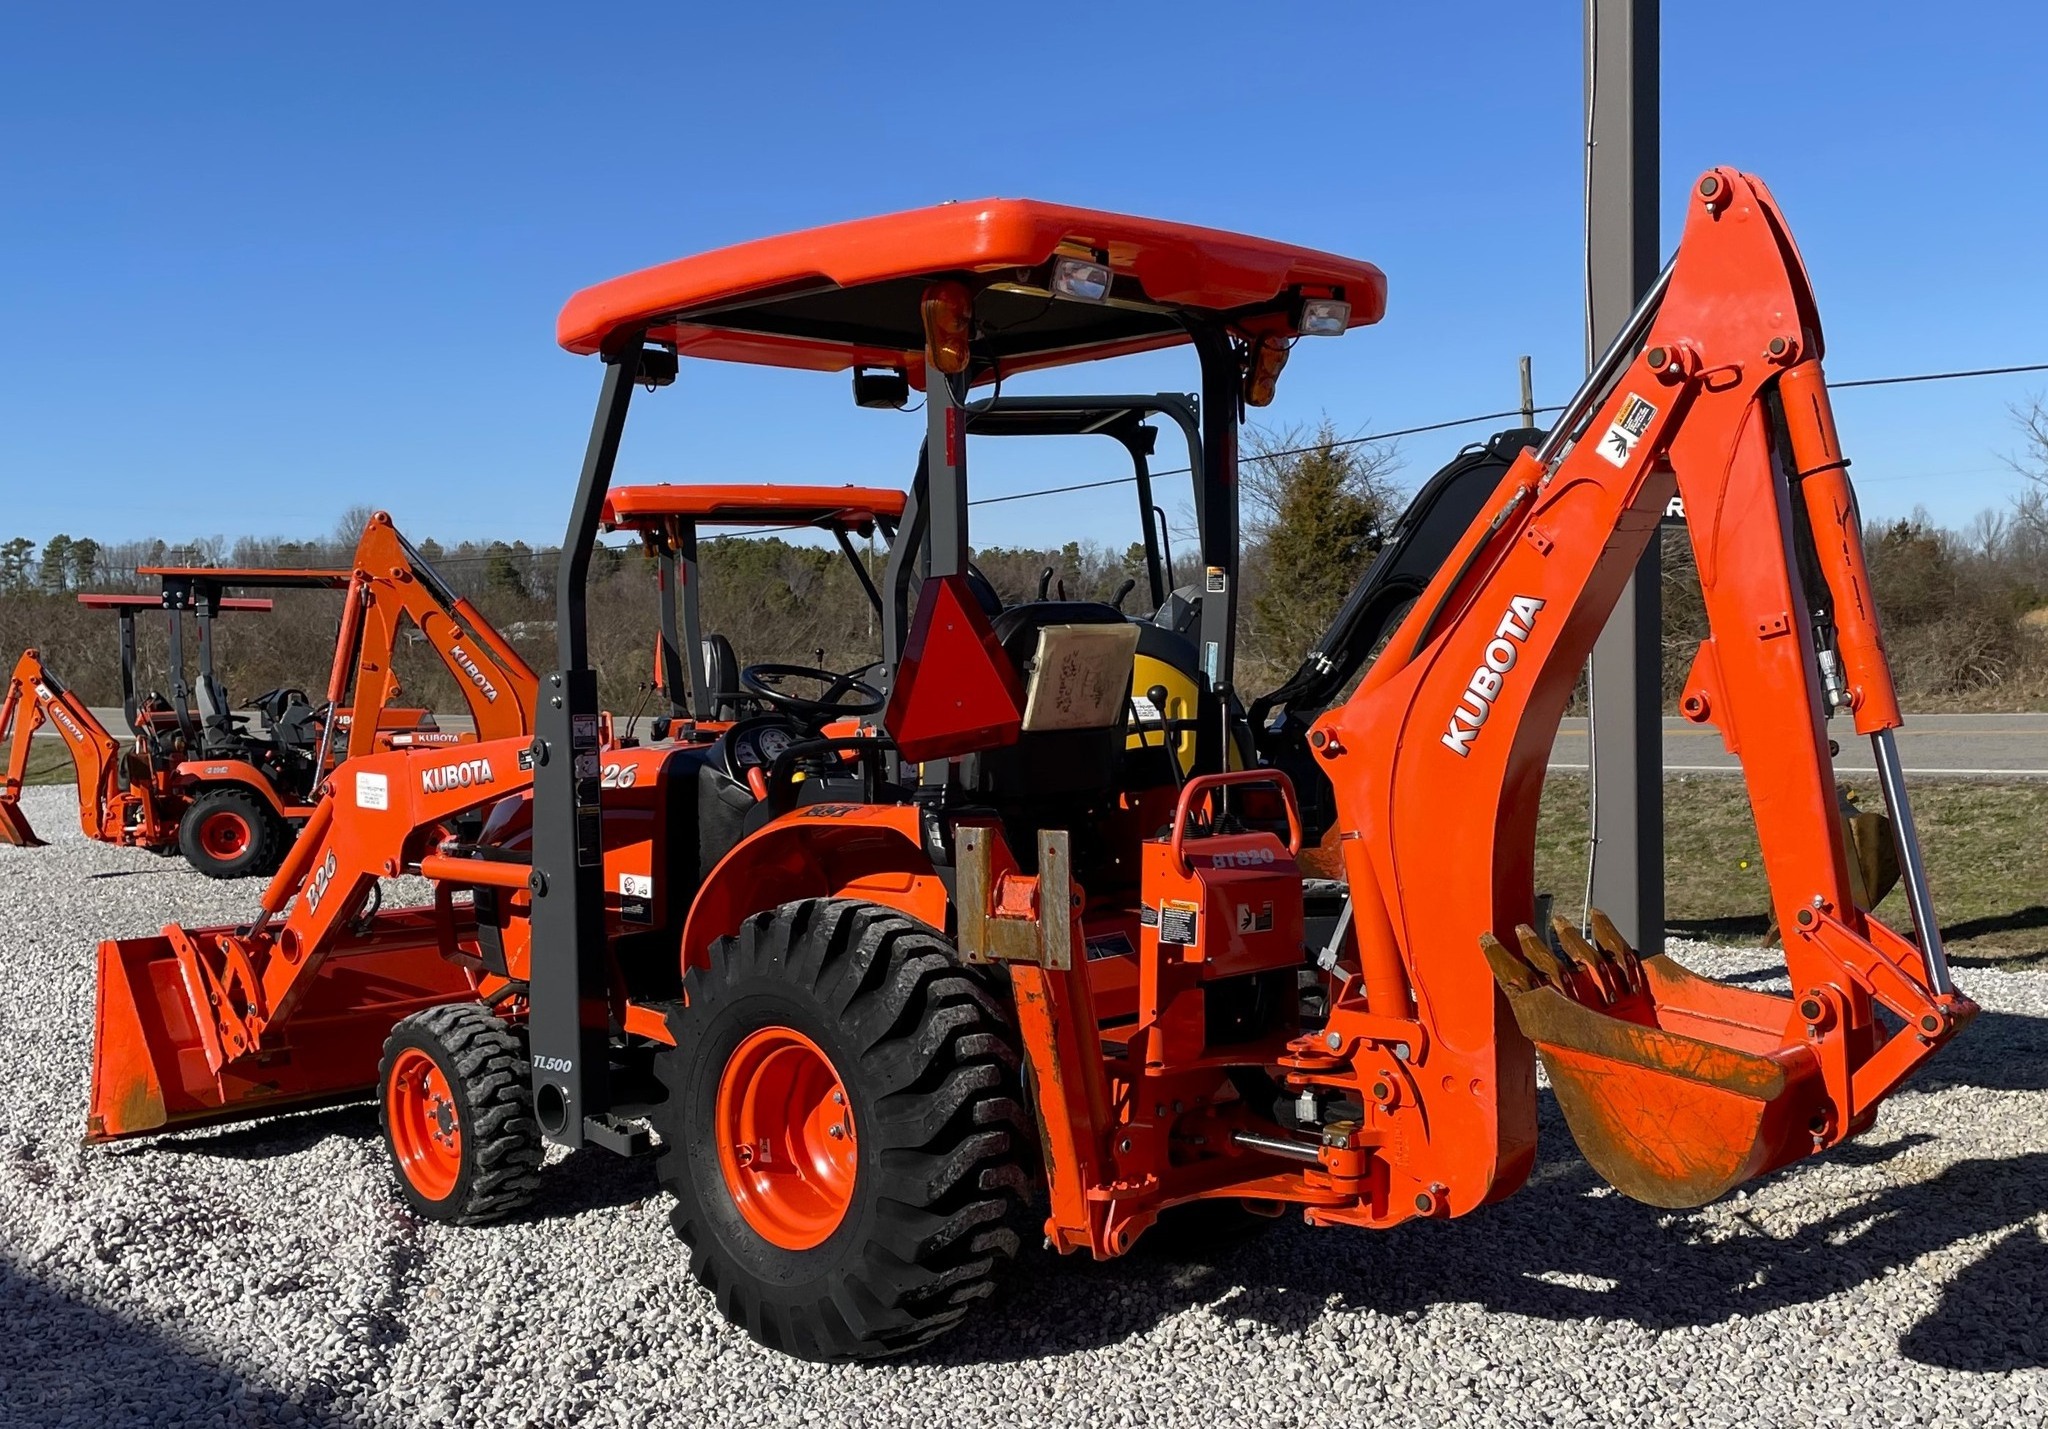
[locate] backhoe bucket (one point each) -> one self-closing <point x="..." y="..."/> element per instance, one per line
<point x="160" y="1060"/>
<point x="14" y="827"/>
<point x="1677" y="1088"/>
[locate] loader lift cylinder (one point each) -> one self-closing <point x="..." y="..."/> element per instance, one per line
<point x="569" y="1026"/>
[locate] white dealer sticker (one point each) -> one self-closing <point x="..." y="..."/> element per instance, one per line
<point x="373" y="791"/>
<point x="1627" y="429"/>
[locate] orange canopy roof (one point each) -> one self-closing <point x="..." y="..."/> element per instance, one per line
<point x="830" y="298"/>
<point x="843" y="508"/>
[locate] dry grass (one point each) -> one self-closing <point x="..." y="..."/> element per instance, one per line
<point x="1986" y="857"/>
<point x="49" y="763"/>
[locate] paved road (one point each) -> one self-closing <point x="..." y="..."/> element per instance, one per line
<point x="1957" y="745"/>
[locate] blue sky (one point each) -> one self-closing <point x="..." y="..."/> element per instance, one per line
<point x="265" y="262"/>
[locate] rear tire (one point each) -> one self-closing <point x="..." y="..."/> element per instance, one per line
<point x="230" y="833"/>
<point x="455" y="1103"/>
<point x="895" y="1227"/>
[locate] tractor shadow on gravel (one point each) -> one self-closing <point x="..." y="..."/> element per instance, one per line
<point x="1567" y="1249"/>
<point x="274" y="1136"/>
<point x="66" y="1362"/>
<point x="583" y="1181"/>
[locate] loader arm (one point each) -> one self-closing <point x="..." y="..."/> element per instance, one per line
<point x="393" y="583"/>
<point x="1676" y="1088"/>
<point x="34" y="695"/>
<point x="321" y="967"/>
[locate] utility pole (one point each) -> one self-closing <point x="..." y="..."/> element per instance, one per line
<point x="1623" y="256"/>
<point x="1528" y="395"/>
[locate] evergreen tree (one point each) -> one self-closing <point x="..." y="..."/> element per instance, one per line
<point x="85" y="560"/>
<point x="56" y="567"/>
<point x="14" y="562"/>
<point x="1317" y="512"/>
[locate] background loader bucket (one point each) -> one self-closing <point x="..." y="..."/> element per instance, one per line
<point x="14" y="827"/>
<point x="150" y="1070"/>
<point x="1677" y="1088"/>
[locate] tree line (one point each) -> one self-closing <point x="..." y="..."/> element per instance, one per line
<point x="1965" y="611"/>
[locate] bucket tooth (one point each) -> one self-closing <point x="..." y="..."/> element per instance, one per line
<point x="1508" y="968"/>
<point x="1608" y="939"/>
<point x="1601" y="970"/>
<point x="1549" y="966"/>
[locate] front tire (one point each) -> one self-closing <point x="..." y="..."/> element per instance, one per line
<point x="844" y="1133"/>
<point x="455" y="1103"/>
<point x="230" y="833"/>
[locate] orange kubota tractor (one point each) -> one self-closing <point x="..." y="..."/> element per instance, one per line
<point x="118" y="795"/>
<point x="197" y="777"/>
<point x="896" y="997"/>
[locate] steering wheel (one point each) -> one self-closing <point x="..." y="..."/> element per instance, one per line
<point x="769" y="684"/>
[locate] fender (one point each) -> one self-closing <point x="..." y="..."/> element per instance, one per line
<point x="864" y="851"/>
<point x="196" y="774"/>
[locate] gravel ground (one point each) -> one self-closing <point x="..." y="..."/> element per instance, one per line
<point x="268" y="1275"/>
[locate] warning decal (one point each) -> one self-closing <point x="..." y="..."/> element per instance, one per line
<point x="1177" y="922"/>
<point x="1627" y="429"/>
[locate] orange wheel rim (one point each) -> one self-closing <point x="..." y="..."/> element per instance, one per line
<point x="426" y="1132"/>
<point x="224" y="834"/>
<point x="786" y="1140"/>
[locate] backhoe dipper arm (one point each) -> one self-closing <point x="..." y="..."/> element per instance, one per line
<point x="1676" y="1088"/>
<point x="392" y="583"/>
<point x="34" y="695"/>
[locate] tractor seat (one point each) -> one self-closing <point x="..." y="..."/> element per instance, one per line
<point x="1075" y="660"/>
<point x="220" y="727"/>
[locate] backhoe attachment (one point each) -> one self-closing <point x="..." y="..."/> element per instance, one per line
<point x="1676" y="1087"/>
<point x="35" y="696"/>
<point x="18" y="703"/>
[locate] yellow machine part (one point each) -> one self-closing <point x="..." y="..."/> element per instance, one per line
<point x="1148" y="672"/>
<point x="1182" y="702"/>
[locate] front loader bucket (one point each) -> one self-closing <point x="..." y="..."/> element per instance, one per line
<point x="14" y="827"/>
<point x="1677" y="1088"/>
<point x="151" y="1068"/>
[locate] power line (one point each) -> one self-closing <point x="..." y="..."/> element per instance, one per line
<point x="1271" y="456"/>
<point x="1940" y="376"/>
<point x="1482" y="417"/>
<point x="1398" y="432"/>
